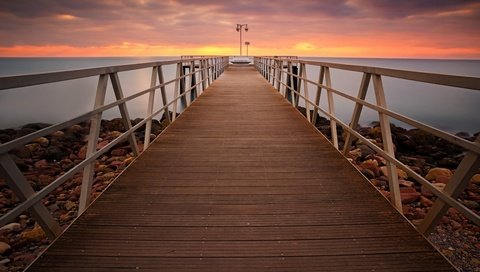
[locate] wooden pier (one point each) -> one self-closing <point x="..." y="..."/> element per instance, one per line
<point x="241" y="181"/>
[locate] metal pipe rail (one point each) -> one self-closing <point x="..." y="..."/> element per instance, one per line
<point x="209" y="69"/>
<point x="273" y="69"/>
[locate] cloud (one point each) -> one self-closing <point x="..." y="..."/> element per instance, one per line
<point x="278" y="24"/>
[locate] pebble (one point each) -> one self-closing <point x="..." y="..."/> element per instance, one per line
<point x="4" y="248"/>
<point x="4" y="261"/>
<point x="11" y="227"/>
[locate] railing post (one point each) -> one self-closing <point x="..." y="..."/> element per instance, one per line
<point x="23" y="190"/>
<point x="151" y="98"/>
<point x="331" y="107"/>
<point x="289" y="84"/>
<point x="318" y="94"/>
<point x="357" y="110"/>
<point x="95" y="122"/>
<point x="176" y="90"/>
<point x="387" y="144"/>
<point x="193" y="81"/>
<point x="202" y="74"/>
<point x="163" y="93"/>
<point x="303" y="74"/>
<point x="460" y="179"/>
<point x="117" y="89"/>
<point x="279" y="71"/>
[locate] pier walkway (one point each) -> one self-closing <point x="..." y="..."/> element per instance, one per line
<point x="241" y="181"/>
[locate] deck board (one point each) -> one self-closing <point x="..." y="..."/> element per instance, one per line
<point x="241" y="182"/>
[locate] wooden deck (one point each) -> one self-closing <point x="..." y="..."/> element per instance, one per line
<point x="241" y="182"/>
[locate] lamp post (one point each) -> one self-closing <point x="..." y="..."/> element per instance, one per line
<point x="247" y="44"/>
<point x="239" y="29"/>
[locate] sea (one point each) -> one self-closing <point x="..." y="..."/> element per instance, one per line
<point x="446" y="108"/>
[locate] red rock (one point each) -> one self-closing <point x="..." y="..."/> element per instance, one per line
<point x="116" y="164"/>
<point x="45" y="179"/>
<point x="82" y="153"/>
<point x="442" y="179"/>
<point x="119" y="152"/>
<point x="408" y="195"/>
<point x="425" y="201"/>
<point x="406" y="183"/>
<point x="41" y="164"/>
<point x="427" y="193"/>
<point x="102" y="144"/>
<point x="26" y="258"/>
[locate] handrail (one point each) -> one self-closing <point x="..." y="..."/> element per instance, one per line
<point x="202" y="72"/>
<point x="279" y="72"/>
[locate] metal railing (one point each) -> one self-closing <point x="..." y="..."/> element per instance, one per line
<point x="202" y="72"/>
<point x="279" y="72"/>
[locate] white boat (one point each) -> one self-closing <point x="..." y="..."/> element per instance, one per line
<point x="240" y="60"/>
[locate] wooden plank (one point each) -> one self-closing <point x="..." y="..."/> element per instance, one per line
<point x="241" y="182"/>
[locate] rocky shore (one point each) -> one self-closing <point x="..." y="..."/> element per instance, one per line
<point x="48" y="157"/>
<point x="435" y="159"/>
<point x="41" y="162"/>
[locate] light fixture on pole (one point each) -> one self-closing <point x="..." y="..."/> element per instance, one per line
<point x="247" y="44"/>
<point x="239" y="29"/>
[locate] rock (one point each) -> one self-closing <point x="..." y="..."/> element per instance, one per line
<point x="427" y="193"/>
<point x="355" y="154"/>
<point x="119" y="152"/>
<point x="442" y="179"/>
<point x="406" y="183"/>
<point x="4" y="248"/>
<point x="474" y="205"/>
<point x="115" y="125"/>
<point x="116" y="164"/>
<point x="26" y="258"/>
<point x="34" y="235"/>
<point x="402" y="174"/>
<point x="425" y="201"/>
<point x="409" y="195"/>
<point x="4" y="262"/>
<point x="475" y="179"/>
<point x="70" y="205"/>
<point x="102" y="144"/>
<point x="41" y="164"/>
<point x="366" y="151"/>
<point x="11" y="227"/>
<point x="33" y="147"/>
<point x="435" y="172"/>
<point x="55" y="153"/>
<point x="45" y="179"/>
<point x="58" y="135"/>
<point x="128" y="161"/>
<point x="368" y="173"/>
<point x="42" y="141"/>
<point x="371" y="165"/>
<point x="113" y="135"/>
<point x="82" y="153"/>
<point x="379" y="182"/>
<point x="22" y="152"/>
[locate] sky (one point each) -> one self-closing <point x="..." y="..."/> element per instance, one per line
<point x="327" y="28"/>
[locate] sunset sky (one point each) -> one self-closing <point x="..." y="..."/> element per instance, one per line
<point x="329" y="28"/>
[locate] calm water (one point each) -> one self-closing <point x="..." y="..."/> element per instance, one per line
<point x="451" y="109"/>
